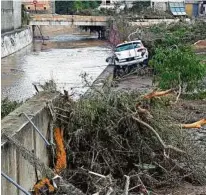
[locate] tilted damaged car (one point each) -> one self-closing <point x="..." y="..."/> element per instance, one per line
<point x="128" y="55"/>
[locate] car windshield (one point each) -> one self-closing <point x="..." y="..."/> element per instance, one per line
<point x="128" y="46"/>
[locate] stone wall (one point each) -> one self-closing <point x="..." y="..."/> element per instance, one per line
<point x="15" y="40"/>
<point x="16" y="126"/>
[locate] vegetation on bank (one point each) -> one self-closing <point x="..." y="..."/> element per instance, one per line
<point x="178" y="66"/>
<point x="25" y="18"/>
<point x="76" y="7"/>
<point x="8" y="106"/>
<point x="139" y="10"/>
<point x="159" y="35"/>
<point x="202" y="57"/>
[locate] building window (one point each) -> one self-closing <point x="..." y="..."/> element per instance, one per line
<point x="177" y="8"/>
<point x="44" y="8"/>
<point x="108" y="2"/>
<point x="28" y="7"/>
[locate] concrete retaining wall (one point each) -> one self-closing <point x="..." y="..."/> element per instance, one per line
<point x="55" y="30"/>
<point x="15" y="40"/>
<point x="7" y="21"/>
<point x="103" y="81"/>
<point x="10" y="15"/>
<point x="149" y="22"/>
<point x="17" y="14"/>
<point x="18" y="127"/>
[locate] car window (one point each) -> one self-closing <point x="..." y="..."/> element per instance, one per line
<point x="128" y="46"/>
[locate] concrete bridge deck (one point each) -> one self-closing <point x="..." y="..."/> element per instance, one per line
<point x="92" y="21"/>
<point x="76" y="20"/>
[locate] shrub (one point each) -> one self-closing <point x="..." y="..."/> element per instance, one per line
<point x="178" y="65"/>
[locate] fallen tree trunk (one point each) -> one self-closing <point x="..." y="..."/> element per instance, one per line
<point x="197" y="124"/>
<point x="158" y="94"/>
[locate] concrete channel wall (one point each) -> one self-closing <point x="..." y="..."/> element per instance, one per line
<point x="103" y="81"/>
<point x="14" y="41"/>
<point x="10" y="15"/>
<point x="16" y="126"/>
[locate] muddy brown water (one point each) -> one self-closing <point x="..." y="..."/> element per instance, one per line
<point x="63" y="58"/>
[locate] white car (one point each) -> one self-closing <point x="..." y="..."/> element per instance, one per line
<point x="129" y="53"/>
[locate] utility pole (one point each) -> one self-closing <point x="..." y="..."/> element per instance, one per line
<point x="35" y="2"/>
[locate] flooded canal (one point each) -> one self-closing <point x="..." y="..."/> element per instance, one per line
<point x="63" y="58"/>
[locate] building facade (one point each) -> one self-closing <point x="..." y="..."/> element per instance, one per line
<point x="202" y="8"/>
<point x="40" y="6"/>
<point x="176" y="7"/>
<point x="195" y="8"/>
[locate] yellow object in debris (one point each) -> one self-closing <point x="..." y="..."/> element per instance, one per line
<point x="44" y="183"/>
<point x="60" y="151"/>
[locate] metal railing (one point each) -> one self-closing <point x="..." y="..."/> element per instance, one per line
<point x="37" y="130"/>
<point x="14" y="183"/>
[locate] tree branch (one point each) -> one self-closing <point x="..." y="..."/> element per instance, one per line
<point x="158" y="136"/>
<point x="126" y="188"/>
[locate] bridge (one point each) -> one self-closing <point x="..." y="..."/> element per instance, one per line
<point x="76" y="20"/>
<point x="89" y="21"/>
<point x="94" y="23"/>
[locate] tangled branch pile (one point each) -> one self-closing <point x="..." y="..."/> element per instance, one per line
<point x="116" y="146"/>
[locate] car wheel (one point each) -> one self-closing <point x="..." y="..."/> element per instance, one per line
<point x="126" y="70"/>
<point x="117" y="71"/>
<point x="145" y="62"/>
<point x="120" y="71"/>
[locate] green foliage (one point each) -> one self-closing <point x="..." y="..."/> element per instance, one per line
<point x="163" y="35"/>
<point x="24" y="16"/>
<point x="178" y="65"/>
<point x="202" y="57"/>
<point x="64" y="7"/>
<point x="140" y="5"/>
<point x="76" y="7"/>
<point x="8" y="106"/>
<point x="195" y="96"/>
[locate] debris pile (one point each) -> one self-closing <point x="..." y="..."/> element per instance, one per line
<point x="127" y="143"/>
